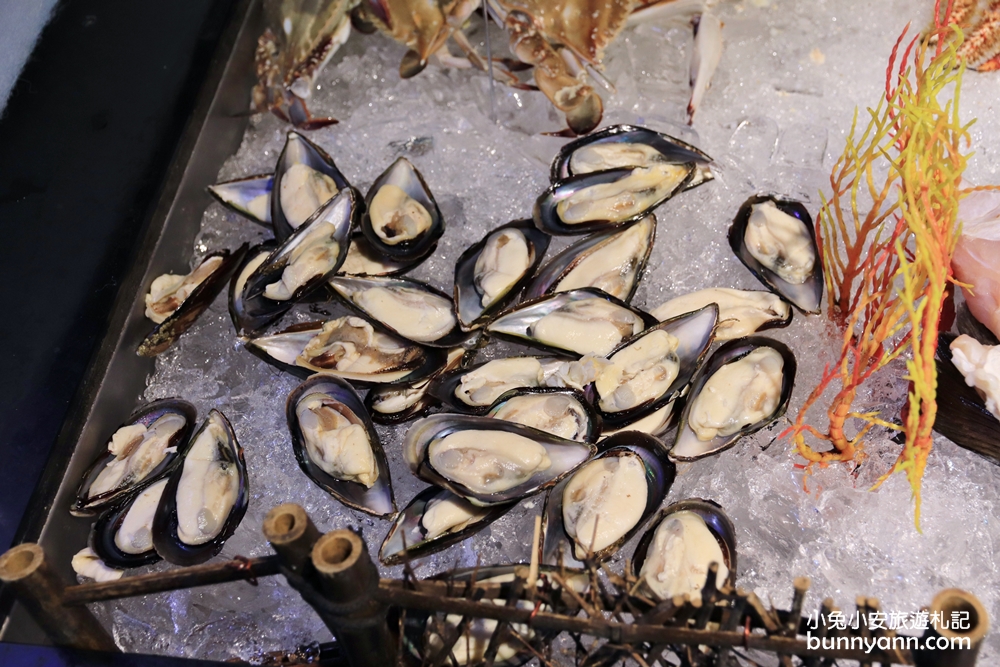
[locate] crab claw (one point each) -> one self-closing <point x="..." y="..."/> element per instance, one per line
<point x="705" y="57"/>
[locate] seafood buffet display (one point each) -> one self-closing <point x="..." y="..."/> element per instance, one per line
<point x="605" y="333"/>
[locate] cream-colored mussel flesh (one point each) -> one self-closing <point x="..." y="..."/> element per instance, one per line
<point x="624" y="198"/>
<point x="558" y="414"/>
<point x="741" y="312"/>
<point x="303" y="191"/>
<point x="414" y="313"/>
<point x="135" y="534"/>
<point x="738" y="394"/>
<point x="169" y="291"/>
<point x="679" y="555"/>
<point x="612" y="265"/>
<point x="780" y="242"/>
<point x="314" y="255"/>
<point x="504" y="259"/>
<point x="208" y="487"/>
<point x="138" y="450"/>
<point x="336" y="440"/>
<point x="980" y="365"/>
<point x="485" y="384"/>
<point x="603" y="501"/>
<point x="487" y="461"/>
<point x="640" y="372"/>
<point x="612" y="155"/>
<point x="352" y="347"/>
<point x="448" y="513"/>
<point x="396" y="216"/>
<point x="592" y="325"/>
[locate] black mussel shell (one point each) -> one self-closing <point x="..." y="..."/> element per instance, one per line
<point x="102" y="536"/>
<point x="283" y="349"/>
<point x="720" y="525"/>
<point x="557" y="269"/>
<point x="591" y="427"/>
<point x="379" y="400"/>
<point x="443" y="387"/>
<point x="169" y="330"/>
<point x="694" y="332"/>
<point x="557" y="546"/>
<point x="687" y="446"/>
<point x="970" y="326"/>
<point x="252" y="260"/>
<point x="565" y="455"/>
<point x="670" y="149"/>
<point x="657" y="423"/>
<point x="407" y="538"/>
<point x="468" y="299"/>
<point x="377" y="263"/>
<point x="405" y="176"/>
<point x="250" y="197"/>
<point x="962" y="416"/>
<point x="299" y="150"/>
<point x="516" y="323"/>
<point x="146" y="415"/>
<point x="378" y="499"/>
<point x="548" y="219"/>
<point x="807" y="297"/>
<point x="346" y="287"/>
<point x="165" y="523"/>
<point x="340" y="214"/>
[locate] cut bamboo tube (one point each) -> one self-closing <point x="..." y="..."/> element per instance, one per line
<point x="292" y="534"/>
<point x="968" y="607"/>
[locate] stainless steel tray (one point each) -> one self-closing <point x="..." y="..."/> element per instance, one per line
<point x="117" y="376"/>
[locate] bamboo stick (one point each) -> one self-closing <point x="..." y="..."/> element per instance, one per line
<point x="292" y="534"/>
<point x="944" y="603"/>
<point x="26" y="571"/>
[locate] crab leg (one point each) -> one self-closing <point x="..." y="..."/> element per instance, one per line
<point x="705" y="58"/>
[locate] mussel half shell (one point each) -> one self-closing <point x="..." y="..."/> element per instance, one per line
<point x="627" y="146"/>
<point x="409" y="538"/>
<point x="395" y="404"/>
<point x="408" y="308"/>
<point x="694" y="334"/>
<point x="559" y="547"/>
<point x="328" y="231"/>
<point x="133" y="481"/>
<point x="469" y="292"/>
<point x="562" y="412"/>
<point x="376" y="499"/>
<point x="719" y="525"/>
<point x="807" y="296"/>
<point x="402" y="176"/>
<point x="299" y="152"/>
<point x="657" y="423"/>
<point x="609" y="199"/>
<point x="364" y="261"/>
<point x="611" y="261"/>
<point x="741" y="312"/>
<point x="135" y="509"/>
<point x="169" y="330"/>
<point x="578" y="322"/>
<point x="962" y="414"/>
<point x="689" y="446"/>
<point x="545" y="458"/>
<point x="399" y="361"/>
<point x="242" y="320"/>
<point x="249" y="196"/>
<point x="212" y="462"/>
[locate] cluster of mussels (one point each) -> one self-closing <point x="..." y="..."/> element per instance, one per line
<point x="585" y="420"/>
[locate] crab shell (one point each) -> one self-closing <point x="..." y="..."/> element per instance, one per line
<point x="557" y="546"/>
<point x="377" y="500"/>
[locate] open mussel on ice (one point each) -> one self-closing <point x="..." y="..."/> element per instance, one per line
<point x="122" y="537"/>
<point x="305" y="178"/>
<point x="336" y="445"/>
<point x="402" y="219"/>
<point x="249" y="196"/>
<point x="563" y="412"/>
<point x="397" y="403"/>
<point x="741" y="312"/>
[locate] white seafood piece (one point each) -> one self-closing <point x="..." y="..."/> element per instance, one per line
<point x="303" y="191"/>
<point x="417" y="314"/>
<point x="976" y="256"/>
<point x="624" y="198"/>
<point x="394" y="401"/>
<point x="449" y="513"/>
<point x="350" y="345"/>
<point x="208" y="487"/>
<point x="678" y="559"/>
<point x="169" y="291"/>
<point x="587" y="326"/>
<point x="137" y="451"/>
<point x="86" y="563"/>
<point x="613" y="266"/>
<point x="135" y="534"/>
<point x="504" y="259"/>
<point x="603" y="501"/>
<point x="336" y="440"/>
<point x="705" y="57"/>
<point x="738" y="394"/>
<point x="612" y="155"/>
<point x="485" y="384"/>
<point x="396" y="216"/>
<point x="487" y="462"/>
<point x="557" y="413"/>
<point x="640" y="372"/>
<point x="780" y="242"/>
<point x="572" y="374"/>
<point x="741" y="312"/>
<point x="980" y="364"/>
<point x="358" y="263"/>
<point x="656" y="423"/>
<point x="314" y="255"/>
